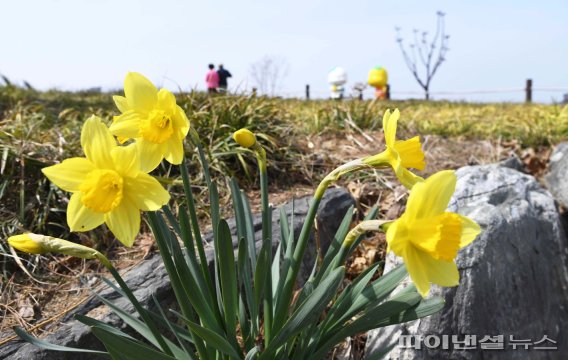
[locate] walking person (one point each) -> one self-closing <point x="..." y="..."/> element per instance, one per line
<point x="224" y="74"/>
<point x="212" y="79"/>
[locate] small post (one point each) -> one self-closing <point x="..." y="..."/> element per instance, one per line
<point x="388" y="94"/>
<point x="307" y="91"/>
<point x="528" y="90"/>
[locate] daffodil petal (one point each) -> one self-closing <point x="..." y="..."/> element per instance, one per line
<point x="145" y="192"/>
<point x="121" y="103"/>
<point x="97" y="142"/>
<point x="126" y="125"/>
<point x="389" y="126"/>
<point x="80" y="217"/>
<point x="396" y="242"/>
<point x="126" y="160"/>
<point x="417" y="268"/>
<point x="140" y="92"/>
<point x="174" y="154"/>
<point x="166" y="101"/>
<point x="124" y="222"/>
<point x="443" y="273"/>
<point x="181" y="122"/>
<point x="470" y="230"/>
<point x="151" y="154"/>
<point x="69" y="174"/>
<point x="431" y="197"/>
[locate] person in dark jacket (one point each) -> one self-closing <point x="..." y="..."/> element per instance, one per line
<point x="223" y="76"/>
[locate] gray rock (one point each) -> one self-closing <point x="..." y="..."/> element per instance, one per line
<point x="514" y="277"/>
<point x="150" y="277"/>
<point x="557" y="177"/>
<point x="513" y="162"/>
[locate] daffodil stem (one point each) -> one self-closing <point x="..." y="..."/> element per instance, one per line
<point x="195" y="226"/>
<point x="285" y="297"/>
<point x="351" y="238"/>
<point x="177" y="286"/>
<point x="143" y="313"/>
<point x="267" y="240"/>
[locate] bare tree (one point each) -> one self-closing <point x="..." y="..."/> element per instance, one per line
<point x="268" y="73"/>
<point x="431" y="54"/>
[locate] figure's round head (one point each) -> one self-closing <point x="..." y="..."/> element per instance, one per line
<point x="211" y="66"/>
<point x="220" y="66"/>
<point x="378" y="77"/>
<point x="337" y="76"/>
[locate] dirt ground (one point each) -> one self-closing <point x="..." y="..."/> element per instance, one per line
<point x="38" y="305"/>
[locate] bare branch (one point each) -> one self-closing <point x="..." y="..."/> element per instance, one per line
<point x="429" y="57"/>
<point x="268" y="73"/>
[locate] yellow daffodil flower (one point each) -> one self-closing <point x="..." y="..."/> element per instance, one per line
<point x="153" y="118"/>
<point x="400" y="155"/>
<point x="244" y="137"/>
<point x="427" y="237"/>
<point x="107" y="185"/>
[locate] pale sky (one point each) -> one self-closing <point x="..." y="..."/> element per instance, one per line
<point x="78" y="44"/>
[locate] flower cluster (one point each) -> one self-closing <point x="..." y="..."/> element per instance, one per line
<point x="250" y="306"/>
<point x="111" y="183"/>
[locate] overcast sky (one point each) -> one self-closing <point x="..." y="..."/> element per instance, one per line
<point x="77" y="44"/>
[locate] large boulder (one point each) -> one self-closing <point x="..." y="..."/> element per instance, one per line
<point x="514" y="277"/>
<point x="557" y="177"/>
<point x="150" y="277"/>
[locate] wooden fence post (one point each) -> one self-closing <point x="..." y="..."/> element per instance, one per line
<point x="528" y="89"/>
<point x="307" y="91"/>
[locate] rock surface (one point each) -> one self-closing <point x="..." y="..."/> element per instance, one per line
<point x="514" y="277"/>
<point x="150" y="277"/>
<point x="557" y="177"/>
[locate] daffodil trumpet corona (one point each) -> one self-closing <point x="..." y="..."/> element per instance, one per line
<point x="107" y="185"/>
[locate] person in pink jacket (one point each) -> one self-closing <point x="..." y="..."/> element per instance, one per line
<point x="212" y="79"/>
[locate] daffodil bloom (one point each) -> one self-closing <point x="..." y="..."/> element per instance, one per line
<point x="153" y="118"/>
<point x="244" y="137"/>
<point x="427" y="237"/>
<point x="400" y="155"/>
<point x="107" y="185"/>
<point x="40" y="244"/>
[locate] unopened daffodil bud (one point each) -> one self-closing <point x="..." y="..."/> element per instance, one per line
<point x="362" y="228"/>
<point x="244" y="137"/>
<point x="28" y="243"/>
<point x="39" y="244"/>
